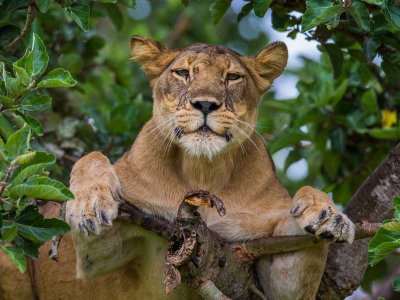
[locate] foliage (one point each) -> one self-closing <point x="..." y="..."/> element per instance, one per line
<point x="343" y="122"/>
<point x="22" y="170"/>
<point x="386" y="241"/>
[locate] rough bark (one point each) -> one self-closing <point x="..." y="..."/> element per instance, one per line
<point x="213" y="267"/>
<point x="372" y="202"/>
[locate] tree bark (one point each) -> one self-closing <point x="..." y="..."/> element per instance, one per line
<point x="213" y="267"/>
<point x="372" y="202"/>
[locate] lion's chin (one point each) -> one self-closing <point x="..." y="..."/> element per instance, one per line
<point x="199" y="144"/>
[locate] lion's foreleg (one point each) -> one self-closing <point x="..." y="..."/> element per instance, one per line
<point x="292" y="275"/>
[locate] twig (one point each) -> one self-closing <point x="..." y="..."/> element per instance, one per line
<point x="4" y="183"/>
<point x="181" y="26"/>
<point x="30" y="15"/>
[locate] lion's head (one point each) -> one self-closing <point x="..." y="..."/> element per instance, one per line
<point x="206" y="96"/>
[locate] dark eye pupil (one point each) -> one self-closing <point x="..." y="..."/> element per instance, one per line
<point x="183" y="73"/>
<point x="232" y="76"/>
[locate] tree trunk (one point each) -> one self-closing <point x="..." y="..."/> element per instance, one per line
<point x="372" y="202"/>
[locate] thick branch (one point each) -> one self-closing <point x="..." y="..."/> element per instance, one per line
<point x="248" y="250"/>
<point x="372" y="202"/>
<point x="207" y="263"/>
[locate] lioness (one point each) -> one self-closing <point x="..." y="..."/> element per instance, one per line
<point x="201" y="136"/>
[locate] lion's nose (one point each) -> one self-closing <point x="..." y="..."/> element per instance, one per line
<point x="206" y="106"/>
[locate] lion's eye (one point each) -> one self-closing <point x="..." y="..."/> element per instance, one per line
<point x="232" y="76"/>
<point x="182" y="73"/>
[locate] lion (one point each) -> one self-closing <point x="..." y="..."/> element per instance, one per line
<point x="201" y="136"/>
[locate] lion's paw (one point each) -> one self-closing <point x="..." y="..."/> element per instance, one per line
<point x="316" y="214"/>
<point x="92" y="209"/>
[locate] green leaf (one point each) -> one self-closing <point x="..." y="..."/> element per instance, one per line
<point x="375" y="2"/>
<point x="6" y="101"/>
<point x="292" y="157"/>
<point x="16" y="256"/>
<point x="396" y="284"/>
<point x="43" y="5"/>
<point x="246" y="9"/>
<point x="36" y="166"/>
<point x="360" y="14"/>
<point x="385" y="134"/>
<point x="281" y="105"/>
<point x="33" y="101"/>
<point x="336" y="58"/>
<point x="285" y="138"/>
<point x="42" y="188"/>
<point x="392" y="225"/>
<point x="339" y="92"/>
<point x="370" y="47"/>
<point x="382" y="244"/>
<point x="57" y="78"/>
<point x="35" y="60"/>
<point x="9" y="232"/>
<point x="24" y="159"/>
<point x="33" y="226"/>
<point x="18" y="142"/>
<point x="319" y="12"/>
<point x="80" y="12"/>
<point x="21" y="74"/>
<point x="218" y="9"/>
<point x="14" y="86"/>
<point x="6" y="128"/>
<point x="261" y="7"/>
<point x="32" y="122"/>
<point x="369" y="102"/>
<point x="391" y="13"/>
<point x="116" y="16"/>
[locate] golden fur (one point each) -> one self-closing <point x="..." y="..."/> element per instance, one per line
<point x="174" y="153"/>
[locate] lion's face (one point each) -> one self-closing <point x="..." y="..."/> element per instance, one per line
<point x="205" y="97"/>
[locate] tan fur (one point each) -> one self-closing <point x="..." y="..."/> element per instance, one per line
<point x="173" y="155"/>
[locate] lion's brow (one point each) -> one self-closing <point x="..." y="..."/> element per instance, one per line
<point x="211" y="49"/>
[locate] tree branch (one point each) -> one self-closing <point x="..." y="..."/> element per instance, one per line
<point x="246" y="250"/>
<point x="372" y="202"/>
<point x="207" y="263"/>
<point x="30" y="15"/>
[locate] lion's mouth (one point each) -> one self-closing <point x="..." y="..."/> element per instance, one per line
<point x="204" y="130"/>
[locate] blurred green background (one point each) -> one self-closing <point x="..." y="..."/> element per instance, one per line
<point x="328" y="121"/>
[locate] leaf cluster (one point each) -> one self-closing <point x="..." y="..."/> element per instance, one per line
<point x="23" y="170"/>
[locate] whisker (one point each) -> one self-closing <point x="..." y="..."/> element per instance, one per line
<point x="240" y="143"/>
<point x="253" y="128"/>
<point x="252" y="125"/>
<point x="158" y="126"/>
<point x="247" y="136"/>
<point x="170" y="138"/>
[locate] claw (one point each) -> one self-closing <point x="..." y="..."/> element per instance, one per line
<point x="91" y="225"/>
<point x="295" y="210"/>
<point x="83" y="229"/>
<point x="327" y="235"/>
<point x="105" y="220"/>
<point x="309" y="229"/>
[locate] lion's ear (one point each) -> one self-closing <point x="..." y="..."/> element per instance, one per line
<point x="152" y="56"/>
<point x="269" y="64"/>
